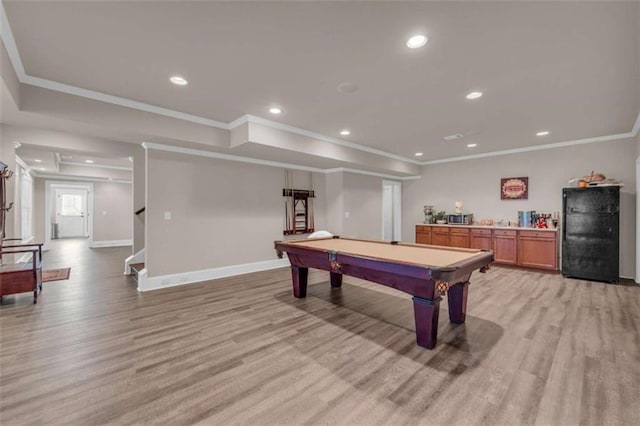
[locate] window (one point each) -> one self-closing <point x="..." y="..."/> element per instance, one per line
<point x="71" y="205"/>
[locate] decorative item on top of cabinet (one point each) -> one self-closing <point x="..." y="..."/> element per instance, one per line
<point x="428" y="214"/>
<point x="441" y="217"/>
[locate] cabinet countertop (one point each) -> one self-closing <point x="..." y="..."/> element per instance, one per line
<point x="516" y="228"/>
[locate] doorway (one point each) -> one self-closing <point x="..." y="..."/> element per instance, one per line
<point x="68" y="211"/>
<point x="391" y="210"/>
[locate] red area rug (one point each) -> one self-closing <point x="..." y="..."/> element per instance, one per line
<point x="56" y="274"/>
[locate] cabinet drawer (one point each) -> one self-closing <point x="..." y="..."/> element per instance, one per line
<point x="538" y="234"/>
<point x="459" y="231"/>
<point x="504" y="232"/>
<point x="475" y="231"/>
<point x="420" y="228"/>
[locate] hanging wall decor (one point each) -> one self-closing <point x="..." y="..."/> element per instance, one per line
<point x="514" y="188"/>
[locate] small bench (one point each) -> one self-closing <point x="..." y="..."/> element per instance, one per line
<point x="22" y="276"/>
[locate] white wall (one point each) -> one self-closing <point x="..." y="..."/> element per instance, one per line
<point x="112" y="212"/>
<point x="362" y="206"/>
<point x="223" y="213"/>
<point x="477" y="183"/>
<point x="335" y="203"/>
<point x="138" y="199"/>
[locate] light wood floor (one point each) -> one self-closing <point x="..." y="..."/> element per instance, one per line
<point x="536" y="349"/>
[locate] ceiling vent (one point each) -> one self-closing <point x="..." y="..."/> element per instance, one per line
<point x="453" y="137"/>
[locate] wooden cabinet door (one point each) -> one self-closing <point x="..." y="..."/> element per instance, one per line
<point x="440" y="237"/>
<point x="423" y="234"/>
<point x="480" y="239"/>
<point x="538" y="250"/>
<point x="459" y="237"/>
<point x="505" y="247"/>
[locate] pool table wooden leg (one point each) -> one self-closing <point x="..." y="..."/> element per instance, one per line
<point x="299" y="275"/>
<point x="336" y="279"/>
<point x="426" y="314"/>
<point x="457" y="295"/>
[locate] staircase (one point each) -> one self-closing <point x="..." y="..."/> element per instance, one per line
<point x="135" y="268"/>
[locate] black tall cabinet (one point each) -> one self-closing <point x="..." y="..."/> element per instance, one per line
<point x="591" y="233"/>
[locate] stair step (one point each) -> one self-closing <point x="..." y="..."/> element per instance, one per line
<point x="135" y="268"/>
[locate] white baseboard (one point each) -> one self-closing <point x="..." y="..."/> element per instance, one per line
<point x="113" y="243"/>
<point x="134" y="258"/>
<point x="146" y="283"/>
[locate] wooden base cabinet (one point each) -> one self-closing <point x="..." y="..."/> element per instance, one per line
<point x="480" y="239"/>
<point x="440" y="236"/>
<point x="505" y="247"/>
<point x="459" y="237"/>
<point x="423" y="234"/>
<point x="522" y="247"/>
<point x="538" y="250"/>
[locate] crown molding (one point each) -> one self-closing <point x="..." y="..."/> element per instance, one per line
<point x="79" y="178"/>
<point x="249" y="160"/>
<point x="99" y="166"/>
<point x="533" y="148"/>
<point x="24" y="165"/>
<point x="368" y="173"/>
<point x="636" y="127"/>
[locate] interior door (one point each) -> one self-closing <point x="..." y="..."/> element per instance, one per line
<point x="387" y="212"/>
<point x="391" y="210"/>
<point x="71" y="213"/>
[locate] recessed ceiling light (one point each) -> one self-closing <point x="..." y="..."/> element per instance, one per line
<point x="180" y="81"/>
<point x="347" y="87"/>
<point x="275" y="110"/>
<point x="417" y="41"/>
<point x="418" y="154"/>
<point x="345" y="132"/>
<point x="88" y="161"/>
<point x="453" y="137"/>
<point x="38" y="161"/>
<point x="474" y="95"/>
<point x="42" y="168"/>
<point x="472" y="145"/>
<point x="542" y="133"/>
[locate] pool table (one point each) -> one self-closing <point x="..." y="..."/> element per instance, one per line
<point x="425" y="272"/>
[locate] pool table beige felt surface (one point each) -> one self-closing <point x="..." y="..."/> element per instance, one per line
<point x="383" y="250"/>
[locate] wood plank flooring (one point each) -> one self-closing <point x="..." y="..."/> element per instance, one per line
<point x="536" y="349"/>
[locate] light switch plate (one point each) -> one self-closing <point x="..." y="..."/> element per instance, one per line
<point x="167" y="215"/>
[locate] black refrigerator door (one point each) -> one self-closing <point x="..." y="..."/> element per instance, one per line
<point x="590" y="233"/>
<point x="591" y="255"/>
<point x="605" y="199"/>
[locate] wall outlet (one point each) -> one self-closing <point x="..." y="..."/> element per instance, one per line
<point x="167" y="215"/>
<point x="347" y="214"/>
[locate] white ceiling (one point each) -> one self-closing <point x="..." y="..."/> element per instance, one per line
<point x="568" y="67"/>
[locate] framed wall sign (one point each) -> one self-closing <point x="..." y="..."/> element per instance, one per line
<point x="514" y="188"/>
